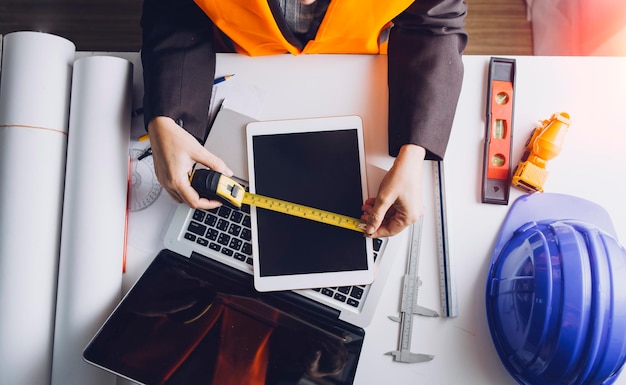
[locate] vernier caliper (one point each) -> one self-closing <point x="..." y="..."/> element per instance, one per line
<point x="409" y="306"/>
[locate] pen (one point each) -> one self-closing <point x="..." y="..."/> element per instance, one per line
<point x="145" y="154"/>
<point x="221" y="79"/>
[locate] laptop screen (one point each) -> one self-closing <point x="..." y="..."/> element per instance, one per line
<point x="183" y="323"/>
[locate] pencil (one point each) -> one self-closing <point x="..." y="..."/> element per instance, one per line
<point x="221" y="79"/>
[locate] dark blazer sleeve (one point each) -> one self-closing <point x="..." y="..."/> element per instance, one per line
<point x="425" y="74"/>
<point x="178" y="61"/>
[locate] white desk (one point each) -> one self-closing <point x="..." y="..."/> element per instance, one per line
<point x="592" y="90"/>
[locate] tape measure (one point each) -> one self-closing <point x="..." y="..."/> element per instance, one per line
<point x="212" y="184"/>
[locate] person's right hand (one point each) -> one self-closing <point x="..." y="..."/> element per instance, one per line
<point x="175" y="151"/>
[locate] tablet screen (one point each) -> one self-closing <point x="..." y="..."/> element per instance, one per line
<point x="320" y="169"/>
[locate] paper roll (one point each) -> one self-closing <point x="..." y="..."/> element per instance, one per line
<point x="94" y="213"/>
<point x="34" y="104"/>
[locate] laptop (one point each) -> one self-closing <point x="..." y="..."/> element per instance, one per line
<point x="195" y="311"/>
<point x="228" y="140"/>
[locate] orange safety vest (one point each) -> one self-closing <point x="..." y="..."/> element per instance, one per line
<point x="349" y="26"/>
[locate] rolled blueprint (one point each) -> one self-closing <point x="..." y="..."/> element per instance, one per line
<point x="34" y="103"/>
<point x="94" y="213"/>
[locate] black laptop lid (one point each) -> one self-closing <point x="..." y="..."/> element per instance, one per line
<point x="195" y="321"/>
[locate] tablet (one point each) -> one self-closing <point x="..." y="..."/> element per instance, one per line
<point x="319" y="163"/>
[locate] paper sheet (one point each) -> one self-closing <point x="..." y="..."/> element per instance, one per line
<point x="34" y="104"/>
<point x="236" y="95"/>
<point x="93" y="229"/>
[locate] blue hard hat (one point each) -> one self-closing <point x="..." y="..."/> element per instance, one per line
<point x="556" y="292"/>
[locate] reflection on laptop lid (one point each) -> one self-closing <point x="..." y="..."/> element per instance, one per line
<point x="196" y="321"/>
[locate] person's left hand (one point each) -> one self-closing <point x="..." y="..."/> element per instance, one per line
<point x="399" y="200"/>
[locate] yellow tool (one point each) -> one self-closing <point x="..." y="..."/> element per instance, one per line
<point x="214" y="185"/>
<point x="544" y="144"/>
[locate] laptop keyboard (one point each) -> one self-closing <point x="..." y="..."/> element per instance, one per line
<point x="228" y="231"/>
<point x="223" y="230"/>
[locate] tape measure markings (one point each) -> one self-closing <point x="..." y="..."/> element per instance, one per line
<point x="302" y="211"/>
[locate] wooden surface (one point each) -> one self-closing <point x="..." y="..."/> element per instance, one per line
<point x="498" y="27"/>
<point x="93" y="25"/>
<point x="495" y="27"/>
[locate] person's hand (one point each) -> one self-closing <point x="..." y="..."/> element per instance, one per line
<point x="175" y="151"/>
<point x="399" y="201"/>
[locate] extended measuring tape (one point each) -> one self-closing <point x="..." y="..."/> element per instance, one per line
<point x="499" y="131"/>
<point x="212" y="184"/>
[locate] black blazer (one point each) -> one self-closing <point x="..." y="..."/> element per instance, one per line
<point x="424" y="56"/>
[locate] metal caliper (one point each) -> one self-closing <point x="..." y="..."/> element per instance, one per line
<point x="409" y="306"/>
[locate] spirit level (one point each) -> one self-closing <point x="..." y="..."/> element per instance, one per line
<point x="499" y="131"/>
